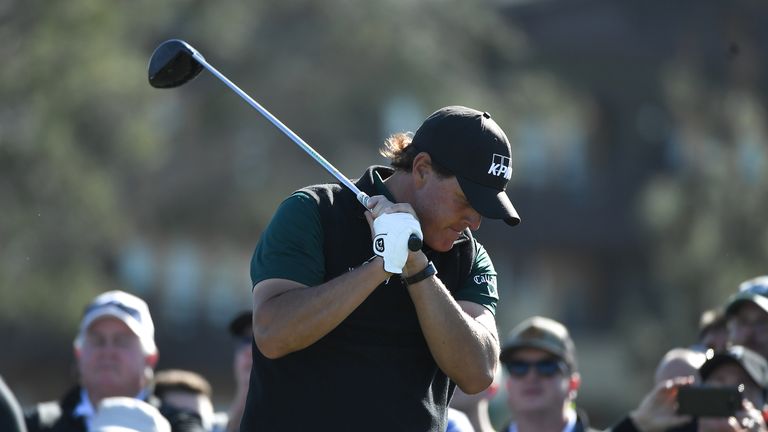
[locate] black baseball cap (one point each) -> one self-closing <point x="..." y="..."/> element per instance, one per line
<point x="753" y="364"/>
<point x="241" y="324"/>
<point x="470" y="145"/>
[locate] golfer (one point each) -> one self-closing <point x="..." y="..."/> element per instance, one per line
<point x="355" y="332"/>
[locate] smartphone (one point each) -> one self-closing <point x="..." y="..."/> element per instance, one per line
<point x="708" y="401"/>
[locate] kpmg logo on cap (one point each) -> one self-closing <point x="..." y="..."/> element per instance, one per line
<point x="501" y="166"/>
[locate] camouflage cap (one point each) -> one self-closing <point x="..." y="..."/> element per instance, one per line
<point x="542" y="333"/>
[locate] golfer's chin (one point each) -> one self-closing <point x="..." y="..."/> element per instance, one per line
<point x="441" y="243"/>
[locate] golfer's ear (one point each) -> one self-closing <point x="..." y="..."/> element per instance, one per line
<point x="421" y="167"/>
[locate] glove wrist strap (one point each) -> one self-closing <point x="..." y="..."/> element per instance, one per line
<point x="428" y="271"/>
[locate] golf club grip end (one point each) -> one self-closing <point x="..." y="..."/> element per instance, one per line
<point x="414" y="243"/>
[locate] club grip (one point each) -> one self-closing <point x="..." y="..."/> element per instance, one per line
<point x="414" y="243"/>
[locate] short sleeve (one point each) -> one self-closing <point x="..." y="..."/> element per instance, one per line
<point x="480" y="285"/>
<point x="291" y="246"/>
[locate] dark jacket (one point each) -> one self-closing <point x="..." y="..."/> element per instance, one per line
<point x="11" y="418"/>
<point x="58" y="416"/>
<point x="627" y="425"/>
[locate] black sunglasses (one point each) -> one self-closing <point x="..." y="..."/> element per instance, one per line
<point x="127" y="309"/>
<point x="544" y="368"/>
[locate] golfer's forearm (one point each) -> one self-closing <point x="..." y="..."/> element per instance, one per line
<point x="299" y="317"/>
<point x="463" y="348"/>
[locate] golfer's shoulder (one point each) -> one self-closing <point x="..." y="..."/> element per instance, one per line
<point x="318" y="193"/>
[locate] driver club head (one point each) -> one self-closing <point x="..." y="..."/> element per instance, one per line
<point x="173" y="64"/>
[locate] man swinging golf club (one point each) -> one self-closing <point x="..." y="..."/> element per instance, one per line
<point x="353" y="331"/>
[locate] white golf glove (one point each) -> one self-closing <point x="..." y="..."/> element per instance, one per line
<point x="390" y="241"/>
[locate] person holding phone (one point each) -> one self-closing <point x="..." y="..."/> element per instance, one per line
<point x="679" y="405"/>
<point x="747" y="315"/>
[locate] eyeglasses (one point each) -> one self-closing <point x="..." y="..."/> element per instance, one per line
<point x="544" y="368"/>
<point x="127" y="309"/>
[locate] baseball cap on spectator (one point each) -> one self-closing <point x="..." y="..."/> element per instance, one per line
<point x="542" y="333"/>
<point x="753" y="364"/>
<point x="241" y="324"/>
<point x="126" y="307"/>
<point x="753" y="290"/>
<point x="125" y="414"/>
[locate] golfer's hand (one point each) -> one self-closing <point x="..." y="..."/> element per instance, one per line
<point x="390" y="241"/>
<point x="392" y="225"/>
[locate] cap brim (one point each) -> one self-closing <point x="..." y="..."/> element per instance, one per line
<point x="489" y="202"/>
<point x="537" y="344"/>
<point x="746" y="297"/>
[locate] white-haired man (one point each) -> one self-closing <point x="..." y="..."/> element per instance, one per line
<point x="116" y="354"/>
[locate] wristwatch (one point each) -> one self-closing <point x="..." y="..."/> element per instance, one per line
<point x="428" y="271"/>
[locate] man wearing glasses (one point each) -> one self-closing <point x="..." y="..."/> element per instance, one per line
<point x="540" y="359"/>
<point x="747" y="316"/>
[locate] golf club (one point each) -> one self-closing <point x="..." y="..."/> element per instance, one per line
<point x="175" y="63"/>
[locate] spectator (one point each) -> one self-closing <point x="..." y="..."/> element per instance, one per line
<point x="476" y="406"/>
<point x="126" y="414"/>
<point x="713" y="331"/>
<point x="11" y="417"/>
<point x="115" y="353"/>
<point x="736" y="366"/>
<point x="241" y="330"/>
<point x="186" y="391"/>
<point x="747" y="316"/>
<point x="543" y="381"/>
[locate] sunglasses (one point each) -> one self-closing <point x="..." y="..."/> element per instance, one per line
<point x="127" y="309"/>
<point x="544" y="368"/>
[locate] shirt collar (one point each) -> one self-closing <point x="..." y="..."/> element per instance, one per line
<point x="570" y="423"/>
<point x="381" y="188"/>
<point x="86" y="410"/>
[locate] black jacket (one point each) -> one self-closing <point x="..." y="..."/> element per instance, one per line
<point x="58" y="416"/>
<point x="627" y="425"/>
<point x="11" y="419"/>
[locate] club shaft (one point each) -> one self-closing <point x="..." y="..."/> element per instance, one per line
<point x="414" y="242"/>
<point x="361" y="196"/>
